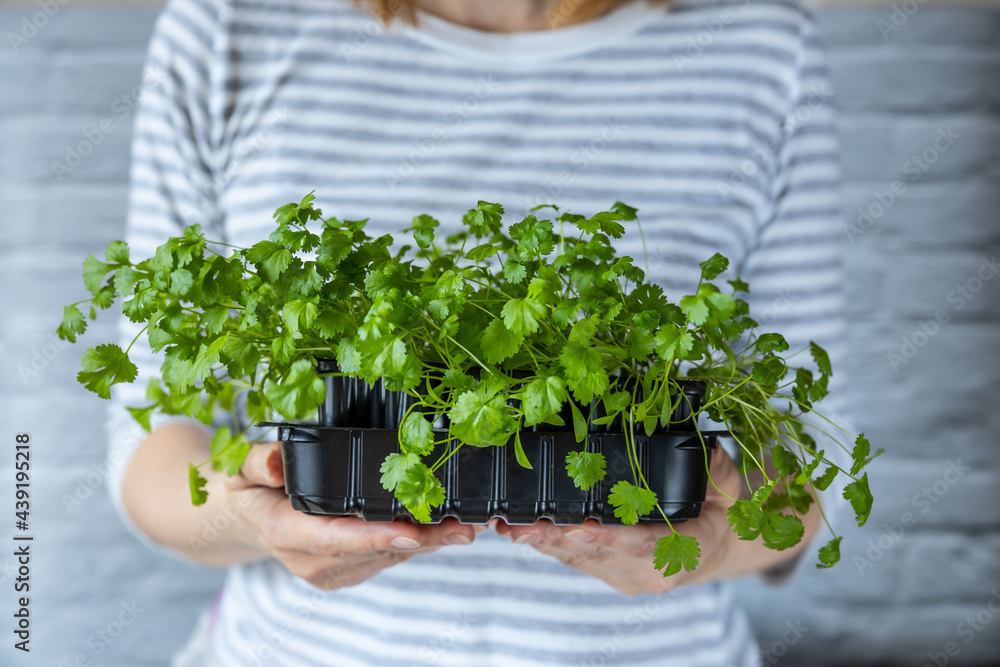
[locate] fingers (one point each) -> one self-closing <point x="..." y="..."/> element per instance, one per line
<point x="264" y="466"/>
<point x="283" y="527"/>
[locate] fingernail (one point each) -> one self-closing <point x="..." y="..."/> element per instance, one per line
<point x="580" y="535"/>
<point x="401" y="542"/>
<point x="481" y="528"/>
<point x="528" y="538"/>
<point x="456" y="538"/>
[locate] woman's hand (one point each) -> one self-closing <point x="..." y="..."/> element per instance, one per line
<point x="622" y="556"/>
<point x="328" y="552"/>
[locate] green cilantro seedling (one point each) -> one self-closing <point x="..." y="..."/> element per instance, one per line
<point x="497" y="328"/>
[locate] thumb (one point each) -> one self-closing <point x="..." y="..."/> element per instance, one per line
<point x="725" y="478"/>
<point x="264" y="465"/>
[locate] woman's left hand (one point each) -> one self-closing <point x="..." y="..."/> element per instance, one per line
<point x="622" y="556"/>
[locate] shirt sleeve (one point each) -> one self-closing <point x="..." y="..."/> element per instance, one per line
<point x="796" y="267"/>
<point x="171" y="187"/>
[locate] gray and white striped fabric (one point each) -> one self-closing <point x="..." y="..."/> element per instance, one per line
<point x="713" y="119"/>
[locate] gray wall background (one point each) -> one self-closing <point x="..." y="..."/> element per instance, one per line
<point x="901" y="591"/>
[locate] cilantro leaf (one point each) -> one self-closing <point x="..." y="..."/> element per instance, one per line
<point x="298" y="393"/>
<point x="586" y="468"/>
<point x="631" y="501"/>
<point x="73" y="324"/>
<point x="416" y="434"/>
<point x="713" y="266"/>
<point x="499" y="342"/>
<point x="418" y="489"/>
<point x="270" y="259"/>
<point x="197" y="483"/>
<point x="522" y="315"/>
<point x="782" y="531"/>
<point x="829" y="553"/>
<point x="675" y="551"/>
<point x="394" y="468"/>
<point x="543" y="398"/>
<point x="104" y="366"/>
<point x="860" y="497"/>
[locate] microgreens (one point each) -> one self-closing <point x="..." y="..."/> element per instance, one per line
<point x="496" y="329"/>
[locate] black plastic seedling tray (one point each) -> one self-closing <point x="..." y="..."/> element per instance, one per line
<point x="332" y="468"/>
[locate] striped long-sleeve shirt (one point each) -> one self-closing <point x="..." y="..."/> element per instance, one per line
<point x="711" y="118"/>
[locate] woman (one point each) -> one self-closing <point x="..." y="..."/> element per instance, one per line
<point x="712" y="118"/>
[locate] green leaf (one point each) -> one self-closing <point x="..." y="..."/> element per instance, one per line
<point x="823" y="481"/>
<point x="143" y="415"/>
<point x="514" y="273"/>
<point x="586" y="468"/>
<point x="675" y="551"/>
<point x="94" y="271"/>
<point x="803" y="477"/>
<point x="519" y="454"/>
<point x="117" y="252"/>
<point x="419" y="490"/>
<point x="784" y="461"/>
<point x="771" y="342"/>
<point x="500" y="343"/>
<point x="631" y="501"/>
<point x="104" y="366"/>
<point x="298" y="314"/>
<point x="586" y="376"/>
<point x="125" y="279"/>
<point x="768" y="371"/>
<point x="672" y="342"/>
<point x="181" y="282"/>
<point x="580" y="427"/>
<point x="522" y="315"/>
<point x="299" y="392"/>
<point x="543" y="398"/>
<point x="861" y="455"/>
<point x="73" y="324"/>
<point x="416" y="434"/>
<point x="394" y="468"/>
<point x="713" y="266"/>
<point x="480" y="418"/>
<point x="782" y="531"/>
<point x="746" y="518"/>
<point x="696" y="308"/>
<point x="270" y="259"/>
<point x="860" y="497"/>
<point x="197" y="485"/>
<point x="229" y="453"/>
<point x="821" y="358"/>
<point x="829" y="554"/>
<point x="214" y="319"/>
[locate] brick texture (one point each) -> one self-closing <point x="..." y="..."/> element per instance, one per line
<point x="902" y="591"/>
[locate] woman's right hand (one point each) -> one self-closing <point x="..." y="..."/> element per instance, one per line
<point x="327" y="552"/>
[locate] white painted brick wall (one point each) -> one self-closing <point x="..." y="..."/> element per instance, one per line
<point x="938" y="71"/>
